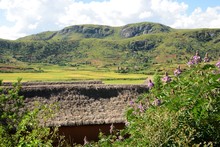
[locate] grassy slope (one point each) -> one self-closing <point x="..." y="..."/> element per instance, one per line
<point x="110" y="52"/>
<point x="71" y="33"/>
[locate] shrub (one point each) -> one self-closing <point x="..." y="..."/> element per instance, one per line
<point x="20" y="127"/>
<point x="182" y="112"/>
<point x="188" y="115"/>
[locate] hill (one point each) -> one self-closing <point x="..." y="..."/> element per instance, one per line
<point x="129" y="48"/>
<point x="100" y="31"/>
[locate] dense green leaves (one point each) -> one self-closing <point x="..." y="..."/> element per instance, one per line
<point x="188" y="114"/>
<point x="22" y="127"/>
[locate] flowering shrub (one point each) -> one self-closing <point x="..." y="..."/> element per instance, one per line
<point x="184" y="112"/>
<point x="181" y="112"/>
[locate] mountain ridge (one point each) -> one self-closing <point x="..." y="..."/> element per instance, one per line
<point x="137" y="46"/>
<point x="100" y="31"/>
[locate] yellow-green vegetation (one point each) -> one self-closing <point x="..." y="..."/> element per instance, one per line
<point x="59" y="73"/>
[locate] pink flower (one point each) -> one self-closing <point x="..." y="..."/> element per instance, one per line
<point x="166" y="78"/>
<point x="218" y="64"/>
<point x="178" y="71"/>
<point x="196" y="58"/>
<point x="150" y="84"/>
<point x="131" y="102"/>
<point x="191" y="62"/>
<point x="157" y="102"/>
<point x="141" y="108"/>
<point x="206" y="59"/>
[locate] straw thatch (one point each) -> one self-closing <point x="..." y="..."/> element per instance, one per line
<point x="54" y="83"/>
<point x="83" y="104"/>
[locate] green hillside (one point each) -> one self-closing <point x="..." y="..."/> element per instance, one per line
<point x="77" y="32"/>
<point x="131" y="48"/>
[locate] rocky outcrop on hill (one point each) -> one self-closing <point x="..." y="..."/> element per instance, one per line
<point x="88" y="31"/>
<point x="100" y="31"/>
<point x="140" y="45"/>
<point x="137" y="30"/>
<point x="204" y="35"/>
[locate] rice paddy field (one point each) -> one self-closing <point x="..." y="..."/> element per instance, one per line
<point x="59" y="73"/>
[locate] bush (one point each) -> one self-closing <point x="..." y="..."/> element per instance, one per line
<point x="182" y="112"/>
<point x="188" y="114"/>
<point x="20" y="127"/>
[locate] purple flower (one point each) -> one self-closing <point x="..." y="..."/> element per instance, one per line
<point x="196" y="58"/>
<point x="218" y="64"/>
<point x="157" y="102"/>
<point x="141" y="108"/>
<point x="206" y="59"/>
<point x="178" y="71"/>
<point x="131" y="102"/>
<point x="150" y="84"/>
<point x="190" y="63"/>
<point x="166" y="78"/>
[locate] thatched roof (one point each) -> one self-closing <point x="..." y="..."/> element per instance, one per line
<point x="55" y="83"/>
<point x="83" y="104"/>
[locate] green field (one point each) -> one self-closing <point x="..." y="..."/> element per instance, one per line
<point x="59" y="73"/>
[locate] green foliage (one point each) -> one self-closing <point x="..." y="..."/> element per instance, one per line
<point x="21" y="127"/>
<point x="183" y="112"/>
<point x="102" y="46"/>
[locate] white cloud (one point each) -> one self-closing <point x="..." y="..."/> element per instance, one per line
<point x="145" y="15"/>
<point x="11" y="32"/>
<point x="30" y="16"/>
<point x="210" y="18"/>
<point x="113" y="12"/>
<point x="33" y="16"/>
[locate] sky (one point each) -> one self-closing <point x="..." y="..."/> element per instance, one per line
<point x="19" y="18"/>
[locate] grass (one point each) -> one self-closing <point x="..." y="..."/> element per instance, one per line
<point x="59" y="73"/>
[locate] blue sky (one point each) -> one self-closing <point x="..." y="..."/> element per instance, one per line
<point x="193" y="4"/>
<point x="19" y="18"/>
